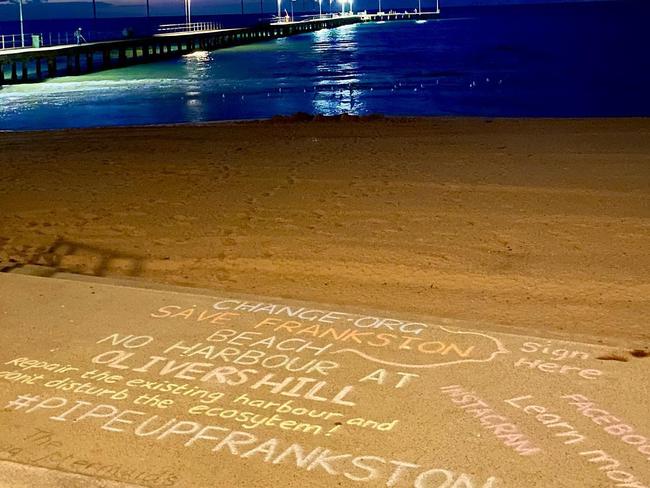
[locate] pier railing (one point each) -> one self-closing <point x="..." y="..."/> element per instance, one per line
<point x="188" y="27"/>
<point x="49" y="39"/>
<point x="288" y="19"/>
<point x="16" y="41"/>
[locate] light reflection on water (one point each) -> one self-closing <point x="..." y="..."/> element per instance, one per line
<point x="469" y="66"/>
<point x="336" y="51"/>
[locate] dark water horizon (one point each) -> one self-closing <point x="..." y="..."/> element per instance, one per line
<point x="555" y="60"/>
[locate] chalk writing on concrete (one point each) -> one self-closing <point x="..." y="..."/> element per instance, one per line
<point x="559" y="369"/>
<point x="44" y="448"/>
<point x="551" y="420"/>
<point x="610" y="467"/>
<point x="612" y="424"/>
<point x="224" y="441"/>
<point x="316" y="394"/>
<point x="499" y="425"/>
<point x="375" y="339"/>
<point x="553" y="352"/>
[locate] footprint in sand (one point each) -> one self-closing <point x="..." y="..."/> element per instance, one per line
<point x="184" y="218"/>
<point x="163" y="241"/>
<point x="613" y="357"/>
<point x="640" y="353"/>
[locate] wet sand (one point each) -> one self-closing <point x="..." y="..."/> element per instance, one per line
<point x="540" y="226"/>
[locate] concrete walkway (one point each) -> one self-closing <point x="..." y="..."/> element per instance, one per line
<point x="105" y="384"/>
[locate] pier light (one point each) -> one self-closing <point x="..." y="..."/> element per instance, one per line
<point x="350" y="2"/>
<point x="279" y="10"/>
<point x="342" y="6"/>
<point x="320" y="9"/>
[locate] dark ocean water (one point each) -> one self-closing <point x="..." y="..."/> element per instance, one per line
<point x="588" y="59"/>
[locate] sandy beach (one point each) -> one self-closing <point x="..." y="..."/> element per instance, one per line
<point x="535" y="225"/>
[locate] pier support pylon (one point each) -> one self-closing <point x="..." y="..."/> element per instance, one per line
<point x="106" y="58"/>
<point x="122" y="57"/>
<point x="51" y="67"/>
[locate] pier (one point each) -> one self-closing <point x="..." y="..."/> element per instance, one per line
<point x="31" y="65"/>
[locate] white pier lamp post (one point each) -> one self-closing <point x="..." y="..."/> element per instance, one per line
<point x="188" y="12"/>
<point x="320" y="9"/>
<point x="22" y="28"/>
<point x="279" y="10"/>
<point x="350" y="2"/>
<point x="342" y="6"/>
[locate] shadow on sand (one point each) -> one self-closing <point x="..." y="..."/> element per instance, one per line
<point x="75" y="257"/>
